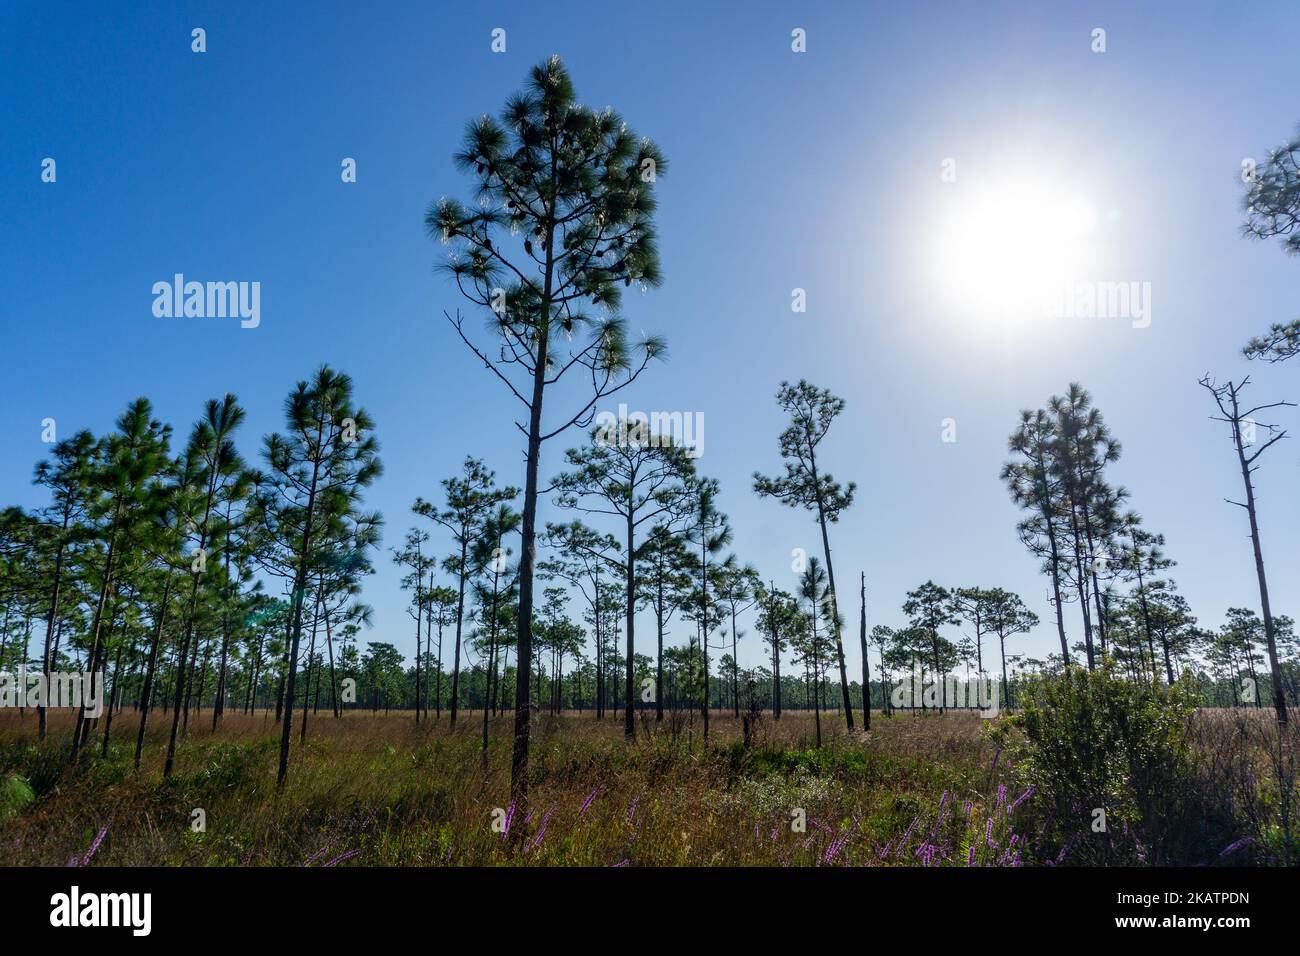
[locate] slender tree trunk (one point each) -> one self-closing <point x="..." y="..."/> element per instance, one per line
<point x="299" y="597"/>
<point x="460" y="618"/>
<point x="1092" y="569"/>
<point x="939" y="674"/>
<point x="256" y="675"/>
<point x="1146" y="617"/>
<point x="203" y="676"/>
<point x="835" y="608"/>
<point x="146" y="694"/>
<point x="219" y="707"/>
<point x="437" y="693"/>
<point x="1054" y="557"/>
<point x="428" y="658"/>
<point x="189" y="695"/>
<point x="219" y="704"/>
<point x="491" y="661"/>
<point x="55" y="593"/>
<point x="704" y="621"/>
<point x="311" y="658"/>
<point x="334" y="683"/>
<point x="735" y="667"/>
<point x="776" y="655"/>
<point x="866" y="666"/>
<point x="112" y="697"/>
<point x="419" y="610"/>
<point x="1279" y="701"/>
<point x="629" y="717"/>
<point x="78" y="733"/>
<point x="1081" y="585"/>
<point x="816" y="683"/>
<point x="600" y="650"/>
<point x="4" y="640"/>
<point x="659" y="652"/>
<point x="1006" y="688"/>
<point x="528" y="552"/>
<point x="1248" y="653"/>
<point x="187" y="632"/>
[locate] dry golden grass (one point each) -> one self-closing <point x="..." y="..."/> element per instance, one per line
<point x="378" y="790"/>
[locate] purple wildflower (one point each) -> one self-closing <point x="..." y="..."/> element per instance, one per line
<point x="541" y="830"/>
<point x="315" y="856"/>
<point x="1022" y="798"/>
<point x="346" y="856"/>
<point x="590" y="798"/>
<point x="908" y="835"/>
<point x="85" y="860"/>
<point x="1236" y="845"/>
<point x="1065" y="848"/>
<point x="836" y="845"/>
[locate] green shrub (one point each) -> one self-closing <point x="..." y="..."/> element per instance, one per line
<point x="15" y="794"/>
<point x="1092" y="743"/>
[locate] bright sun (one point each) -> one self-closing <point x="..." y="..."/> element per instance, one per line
<point x="1003" y="251"/>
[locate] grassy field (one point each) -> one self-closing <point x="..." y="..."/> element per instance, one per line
<point x="378" y="790"/>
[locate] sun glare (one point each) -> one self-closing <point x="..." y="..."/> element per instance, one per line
<point x="1004" y="251"/>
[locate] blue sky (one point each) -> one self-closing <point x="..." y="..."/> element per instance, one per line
<point x="818" y="171"/>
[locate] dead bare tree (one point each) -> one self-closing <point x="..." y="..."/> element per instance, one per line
<point x="1244" y="431"/>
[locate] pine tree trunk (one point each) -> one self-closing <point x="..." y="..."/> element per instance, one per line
<point x="491" y="661"/>
<point x="527" y="559"/>
<point x="629" y="717"/>
<point x="659" y="652"/>
<point x="146" y="694"/>
<point x="835" y="612"/>
<point x="460" y="619"/>
<point x="334" y="683"/>
<point x="55" y="592"/>
<point x="78" y="733"/>
<point x="1279" y="701"/>
<point x="866" y="666"/>
<point x="299" y="596"/>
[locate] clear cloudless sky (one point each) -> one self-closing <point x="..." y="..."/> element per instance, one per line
<point x="818" y="171"/>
